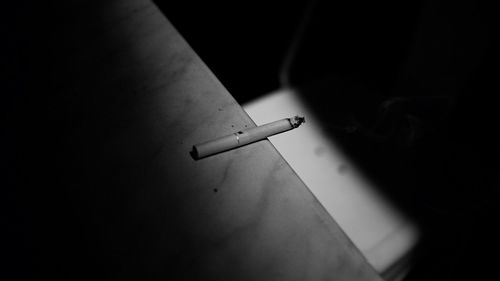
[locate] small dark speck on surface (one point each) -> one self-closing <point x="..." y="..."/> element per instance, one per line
<point x="220" y="109"/>
<point x="232" y="126"/>
<point x="245" y="126"/>
<point x="215" y="190"/>
<point x="342" y="169"/>
<point x="318" y="151"/>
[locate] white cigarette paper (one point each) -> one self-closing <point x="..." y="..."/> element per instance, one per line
<point x="245" y="137"/>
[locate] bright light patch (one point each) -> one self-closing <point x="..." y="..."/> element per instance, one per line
<point x="381" y="233"/>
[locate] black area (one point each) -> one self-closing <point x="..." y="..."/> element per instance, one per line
<point x="243" y="43"/>
<point x="364" y="39"/>
<point x="406" y="88"/>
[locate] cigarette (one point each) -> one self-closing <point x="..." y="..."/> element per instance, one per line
<point x="245" y="137"/>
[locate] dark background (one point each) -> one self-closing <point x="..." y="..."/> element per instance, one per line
<point x="407" y="87"/>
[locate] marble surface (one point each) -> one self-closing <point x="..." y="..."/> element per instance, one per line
<point x="126" y="201"/>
